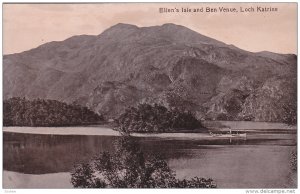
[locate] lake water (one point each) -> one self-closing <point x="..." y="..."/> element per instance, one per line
<point x="263" y="160"/>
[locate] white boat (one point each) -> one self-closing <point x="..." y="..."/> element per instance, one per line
<point x="229" y="135"/>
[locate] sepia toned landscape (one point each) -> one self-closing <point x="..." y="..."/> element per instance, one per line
<point x="160" y="106"/>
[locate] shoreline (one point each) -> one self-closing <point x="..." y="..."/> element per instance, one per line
<point x="96" y="131"/>
<point x="107" y="131"/>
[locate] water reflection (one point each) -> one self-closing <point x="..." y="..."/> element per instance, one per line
<point x="40" y="154"/>
<point x="129" y="167"/>
<point x="262" y="161"/>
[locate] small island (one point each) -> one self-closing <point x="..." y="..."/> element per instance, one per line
<point x="146" y="118"/>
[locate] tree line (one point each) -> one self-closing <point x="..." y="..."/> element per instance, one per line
<point x="40" y="112"/>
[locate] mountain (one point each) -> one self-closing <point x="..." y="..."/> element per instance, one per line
<point x="169" y="64"/>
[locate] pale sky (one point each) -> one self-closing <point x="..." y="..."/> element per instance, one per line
<point x="26" y="26"/>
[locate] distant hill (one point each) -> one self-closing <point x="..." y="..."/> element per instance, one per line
<point x="169" y="64"/>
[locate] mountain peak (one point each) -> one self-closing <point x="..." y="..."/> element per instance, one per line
<point x="171" y="25"/>
<point x="131" y="26"/>
<point x="174" y="27"/>
<point x="123" y="25"/>
<point x="119" y="29"/>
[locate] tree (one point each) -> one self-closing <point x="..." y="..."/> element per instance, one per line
<point x="83" y="177"/>
<point x="129" y="167"/>
<point x="290" y="113"/>
<point x="155" y="118"/>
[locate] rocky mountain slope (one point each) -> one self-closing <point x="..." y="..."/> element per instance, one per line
<point x="169" y="64"/>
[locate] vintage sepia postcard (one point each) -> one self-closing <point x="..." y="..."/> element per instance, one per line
<point x="150" y="95"/>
